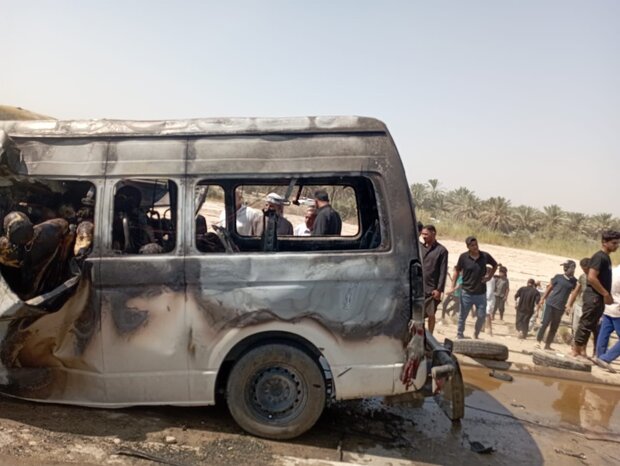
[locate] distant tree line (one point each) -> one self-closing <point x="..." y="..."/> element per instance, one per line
<point x="496" y="214"/>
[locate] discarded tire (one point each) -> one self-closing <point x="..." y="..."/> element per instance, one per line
<point x="481" y="349"/>
<point x="562" y="361"/>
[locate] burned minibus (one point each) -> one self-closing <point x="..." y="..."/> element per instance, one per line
<point x="144" y="263"/>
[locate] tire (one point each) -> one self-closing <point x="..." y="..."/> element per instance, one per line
<point x="276" y="391"/>
<point x="545" y="358"/>
<point x="452" y="399"/>
<point x="481" y="349"/>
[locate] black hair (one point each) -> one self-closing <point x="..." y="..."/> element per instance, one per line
<point x="610" y="235"/>
<point x="430" y="227"/>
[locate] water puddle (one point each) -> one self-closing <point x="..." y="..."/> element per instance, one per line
<point x="575" y="405"/>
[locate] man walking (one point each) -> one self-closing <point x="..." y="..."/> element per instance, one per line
<point x="526" y="299"/>
<point x="555" y="298"/>
<point x="610" y="323"/>
<point x="473" y="266"/>
<point x="435" y="263"/>
<point x="597" y="293"/>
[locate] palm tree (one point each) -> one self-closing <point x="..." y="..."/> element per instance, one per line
<point x="497" y="214"/>
<point x="420" y="195"/>
<point x="526" y="218"/>
<point x="576" y="223"/>
<point x="463" y="204"/>
<point x="436" y="198"/>
<point x="553" y="218"/>
<point x="599" y="222"/>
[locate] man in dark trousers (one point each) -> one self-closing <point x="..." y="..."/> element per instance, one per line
<point x="556" y="297"/>
<point x="473" y="266"/>
<point x="327" y="221"/>
<point x="526" y="299"/>
<point x="598" y="291"/>
<point x="435" y="263"/>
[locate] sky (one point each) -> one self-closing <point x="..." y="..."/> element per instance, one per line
<point x="512" y="98"/>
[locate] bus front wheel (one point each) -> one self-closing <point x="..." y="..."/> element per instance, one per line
<point x="276" y="391"/>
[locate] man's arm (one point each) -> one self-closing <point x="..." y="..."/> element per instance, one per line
<point x="573" y="296"/>
<point x="547" y="293"/>
<point x="596" y="284"/>
<point x="443" y="272"/>
<point x="455" y="277"/>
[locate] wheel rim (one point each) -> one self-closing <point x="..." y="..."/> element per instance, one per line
<point x="276" y="393"/>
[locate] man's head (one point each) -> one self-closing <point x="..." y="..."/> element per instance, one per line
<point x="310" y="217"/>
<point x="18" y="228"/>
<point x="83" y="238"/>
<point x="472" y="244"/>
<point x="569" y="267"/>
<point x="275" y="202"/>
<point x="429" y="234"/>
<point x="531" y="282"/>
<point x="321" y="197"/>
<point x="610" y="240"/>
<point x="585" y="264"/>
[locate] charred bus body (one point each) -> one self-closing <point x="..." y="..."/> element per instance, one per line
<point x="174" y="301"/>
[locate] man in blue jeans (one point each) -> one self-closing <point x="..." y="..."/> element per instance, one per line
<point x="610" y="322"/>
<point x="472" y="266"/>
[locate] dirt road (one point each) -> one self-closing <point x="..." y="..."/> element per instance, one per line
<point x="528" y="421"/>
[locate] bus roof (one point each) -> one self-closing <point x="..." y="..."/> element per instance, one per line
<point x="191" y="127"/>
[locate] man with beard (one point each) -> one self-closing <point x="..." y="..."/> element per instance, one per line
<point x="473" y="266"/>
<point x="435" y="263"/>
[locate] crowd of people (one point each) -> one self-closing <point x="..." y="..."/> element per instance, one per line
<point x="592" y="301"/>
<point x="320" y="218"/>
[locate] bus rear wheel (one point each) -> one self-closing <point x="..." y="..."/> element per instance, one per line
<point x="276" y="391"/>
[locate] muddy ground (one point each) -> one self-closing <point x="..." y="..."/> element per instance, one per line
<point x="530" y="420"/>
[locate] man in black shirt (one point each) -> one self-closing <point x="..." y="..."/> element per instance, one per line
<point x="327" y="220"/>
<point x="472" y="265"/>
<point x="526" y="298"/>
<point x="435" y="263"/>
<point x="597" y="293"/>
<point x="555" y="298"/>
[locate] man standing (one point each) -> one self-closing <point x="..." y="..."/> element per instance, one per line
<point x="473" y="266"/>
<point x="556" y="297"/>
<point x="327" y="221"/>
<point x="248" y="220"/>
<point x="526" y="299"/>
<point x="610" y="323"/>
<point x="305" y="228"/>
<point x="275" y="203"/>
<point x="435" y="263"/>
<point x="575" y="302"/>
<point x="597" y="293"/>
<point x="502" y="288"/>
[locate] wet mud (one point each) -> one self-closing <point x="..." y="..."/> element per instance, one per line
<point x="531" y="420"/>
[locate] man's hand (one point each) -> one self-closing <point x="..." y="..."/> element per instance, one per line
<point x="608" y="299"/>
<point x="436" y="294"/>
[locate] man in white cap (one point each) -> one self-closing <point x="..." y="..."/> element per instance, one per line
<point x="276" y="203"/>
